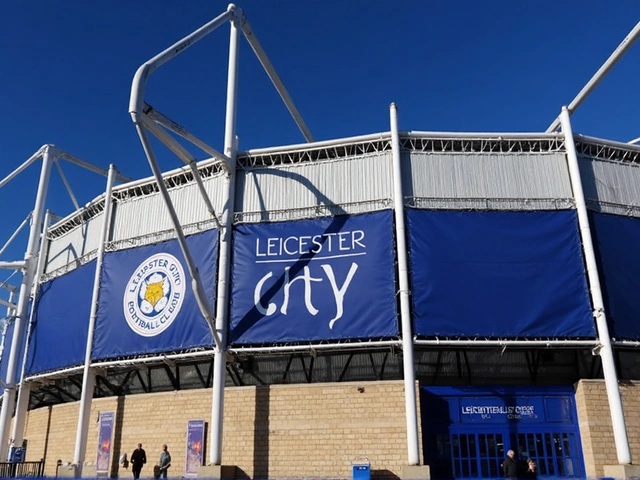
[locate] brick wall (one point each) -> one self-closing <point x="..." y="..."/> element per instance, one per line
<point x="596" y="428"/>
<point x="277" y="431"/>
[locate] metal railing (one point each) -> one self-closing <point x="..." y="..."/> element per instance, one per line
<point x="21" y="469"/>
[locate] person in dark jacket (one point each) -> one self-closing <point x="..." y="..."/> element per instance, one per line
<point x="510" y="465"/>
<point x="138" y="459"/>
<point x="532" y="469"/>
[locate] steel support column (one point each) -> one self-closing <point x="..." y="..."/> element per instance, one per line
<point x="606" y="352"/>
<point x="411" y="409"/>
<point x="88" y="377"/>
<point x="22" y="313"/>
<point x="224" y="267"/>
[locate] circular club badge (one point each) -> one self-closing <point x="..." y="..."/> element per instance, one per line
<point x="154" y="295"/>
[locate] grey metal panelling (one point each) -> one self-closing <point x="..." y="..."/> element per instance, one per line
<point x="145" y="215"/>
<point x="613" y="186"/>
<point x="74" y="244"/>
<point x="354" y="184"/>
<point x="509" y="176"/>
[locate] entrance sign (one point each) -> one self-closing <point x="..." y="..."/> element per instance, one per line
<point x="314" y="280"/>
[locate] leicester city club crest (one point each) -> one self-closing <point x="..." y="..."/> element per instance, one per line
<point x="154" y="294"/>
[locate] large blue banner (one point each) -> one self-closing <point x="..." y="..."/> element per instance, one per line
<point x="616" y="239"/>
<point x="61" y="321"/>
<point x="146" y="302"/>
<point x="498" y="275"/>
<point x="314" y="280"/>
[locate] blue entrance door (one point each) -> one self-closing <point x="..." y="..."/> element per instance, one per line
<point x="468" y="431"/>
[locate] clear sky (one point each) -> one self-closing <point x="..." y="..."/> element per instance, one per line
<point x="66" y="70"/>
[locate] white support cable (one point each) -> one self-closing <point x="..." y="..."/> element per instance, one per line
<point x="136" y="101"/>
<point x="178" y="129"/>
<point x="22" y="167"/>
<point x="24" y="390"/>
<point x="16" y="265"/>
<point x="606" y="352"/>
<point x="411" y="408"/>
<point x="8" y="286"/>
<point x="275" y="78"/>
<point x="66" y="184"/>
<point x="8" y="304"/>
<point x="15" y="234"/>
<point x="600" y="74"/>
<point x="88" y="166"/>
<point x="196" y="283"/>
<point x="88" y="377"/>
<point x="186" y="157"/>
<point x="22" y="311"/>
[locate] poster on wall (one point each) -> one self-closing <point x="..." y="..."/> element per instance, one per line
<point x="195" y="447"/>
<point x="314" y="280"/>
<point x="105" y="432"/>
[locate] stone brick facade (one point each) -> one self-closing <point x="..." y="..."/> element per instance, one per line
<point x="281" y="431"/>
<point x="596" y="428"/>
<point x="312" y="430"/>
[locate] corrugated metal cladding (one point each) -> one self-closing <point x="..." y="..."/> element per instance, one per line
<point x="146" y="215"/>
<point x="355" y="184"/>
<point x="515" y="181"/>
<point x="78" y="242"/>
<point x="610" y="186"/>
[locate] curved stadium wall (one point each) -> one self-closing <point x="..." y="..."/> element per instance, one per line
<point x="499" y="299"/>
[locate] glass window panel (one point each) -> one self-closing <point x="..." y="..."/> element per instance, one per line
<point x="482" y="445"/>
<point x="484" y="467"/>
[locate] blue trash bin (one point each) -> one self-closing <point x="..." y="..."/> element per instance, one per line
<point x="361" y="470"/>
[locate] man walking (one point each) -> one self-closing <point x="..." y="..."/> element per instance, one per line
<point x="165" y="461"/>
<point x="138" y="458"/>
<point x="510" y="465"/>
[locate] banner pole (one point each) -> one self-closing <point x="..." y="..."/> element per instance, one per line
<point x="413" y="444"/>
<point x="24" y="391"/>
<point x="606" y="352"/>
<point x="88" y="377"/>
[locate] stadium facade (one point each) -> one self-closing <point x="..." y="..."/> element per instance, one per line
<point x="411" y="299"/>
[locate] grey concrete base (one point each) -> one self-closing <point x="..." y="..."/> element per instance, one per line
<point x="622" y="471"/>
<point x="415" y="472"/>
<point x="223" y="472"/>
<point x="68" y="471"/>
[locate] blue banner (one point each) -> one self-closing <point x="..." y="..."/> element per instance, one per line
<point x="615" y="241"/>
<point x="105" y="432"/>
<point x="195" y="447"/>
<point x="146" y="302"/>
<point x="314" y="280"/>
<point x="61" y="321"/>
<point x="498" y="275"/>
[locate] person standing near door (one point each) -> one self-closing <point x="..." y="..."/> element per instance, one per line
<point x="510" y="465"/>
<point x="138" y="458"/>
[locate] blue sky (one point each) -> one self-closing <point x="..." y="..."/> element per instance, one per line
<point x="466" y="65"/>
